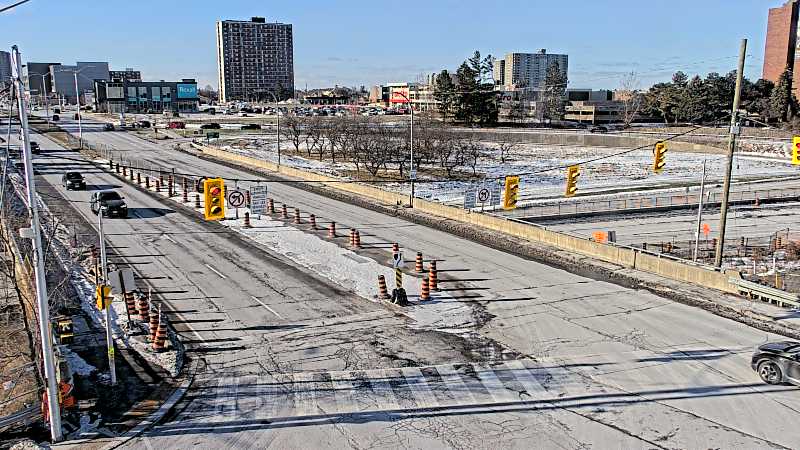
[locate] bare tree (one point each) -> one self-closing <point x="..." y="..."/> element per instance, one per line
<point x="293" y="130"/>
<point x="631" y="97"/>
<point x="505" y="145"/>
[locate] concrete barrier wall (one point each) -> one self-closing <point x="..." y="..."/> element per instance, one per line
<point x="625" y="257"/>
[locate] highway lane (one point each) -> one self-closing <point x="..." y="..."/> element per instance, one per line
<point x="617" y="339"/>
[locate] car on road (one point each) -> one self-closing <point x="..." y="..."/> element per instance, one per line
<point x="108" y="127"/>
<point x="210" y="126"/>
<point x="55" y="118"/>
<point x="110" y="202"/>
<point x="76" y="116"/>
<point x="56" y="110"/>
<point x="178" y="125"/>
<point x="777" y="362"/>
<point x="73" y="181"/>
<point x="251" y="126"/>
<point x="598" y="129"/>
<point x="35" y="149"/>
<point x="143" y="124"/>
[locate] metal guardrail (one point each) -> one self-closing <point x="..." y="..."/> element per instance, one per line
<point x="25" y="415"/>
<point x="762" y="292"/>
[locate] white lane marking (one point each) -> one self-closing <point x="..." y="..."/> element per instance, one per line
<point x="167" y="237"/>
<point x="135" y="213"/>
<point x="265" y="306"/>
<point x="216" y="272"/>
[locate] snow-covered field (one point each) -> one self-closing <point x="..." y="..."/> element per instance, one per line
<point x="542" y="168"/>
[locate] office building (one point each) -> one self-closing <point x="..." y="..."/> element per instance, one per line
<point x="5" y="67"/>
<point x="136" y="96"/>
<point x="63" y="78"/>
<point x="527" y="70"/>
<point x="780" y="50"/>
<point x="254" y="59"/>
<point x="124" y="75"/>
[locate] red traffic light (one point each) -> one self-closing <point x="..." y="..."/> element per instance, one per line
<point x="215" y="190"/>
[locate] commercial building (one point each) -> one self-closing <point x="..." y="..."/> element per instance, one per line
<point x="63" y="78"/>
<point x="5" y="67"/>
<point x="37" y="77"/>
<point x="781" y="44"/>
<point x="594" y="112"/>
<point x="146" y="96"/>
<point x="517" y="70"/>
<point x="124" y="75"/>
<point x="399" y="94"/>
<point x="254" y="58"/>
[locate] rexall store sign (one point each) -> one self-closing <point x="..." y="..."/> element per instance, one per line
<point x="187" y="90"/>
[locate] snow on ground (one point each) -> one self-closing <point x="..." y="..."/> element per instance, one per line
<point x="626" y="171"/>
<point x="77" y="364"/>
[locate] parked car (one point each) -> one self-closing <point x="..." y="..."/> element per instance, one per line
<point x="778" y="362"/>
<point x="73" y="181"/>
<point x="76" y="116"/>
<point x="211" y="111"/>
<point x="251" y="126"/>
<point x="35" y="149"/>
<point x="110" y="202"/>
<point x="143" y="124"/>
<point x="55" y="118"/>
<point x="177" y="125"/>
<point x="56" y="110"/>
<point x="598" y="129"/>
<point x="108" y="127"/>
<point x="210" y="126"/>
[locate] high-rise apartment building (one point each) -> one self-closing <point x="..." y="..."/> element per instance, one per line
<point x="781" y="47"/>
<point x="254" y="59"/>
<point x="527" y="70"/>
<point x="5" y="67"/>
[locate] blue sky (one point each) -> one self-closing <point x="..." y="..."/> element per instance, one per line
<point x="355" y="42"/>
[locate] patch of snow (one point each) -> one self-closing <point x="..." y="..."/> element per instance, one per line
<point x="77" y="364"/>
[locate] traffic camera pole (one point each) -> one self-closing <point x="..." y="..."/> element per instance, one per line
<point x="104" y="263"/>
<point x="34" y="232"/>
<point x="734" y="130"/>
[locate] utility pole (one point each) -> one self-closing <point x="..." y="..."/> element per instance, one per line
<point x="34" y="232"/>
<point x="78" y="104"/>
<point x="104" y="263"/>
<point x="734" y="130"/>
<point x="699" y="213"/>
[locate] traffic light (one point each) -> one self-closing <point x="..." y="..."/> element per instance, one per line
<point x="214" y="193"/>
<point x="573" y="172"/>
<point x="511" y="192"/>
<point x="103" y="294"/>
<point x="796" y="150"/>
<point x="659" y="156"/>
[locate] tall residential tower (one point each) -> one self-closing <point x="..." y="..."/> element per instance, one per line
<point x="527" y="70"/>
<point x="254" y="59"/>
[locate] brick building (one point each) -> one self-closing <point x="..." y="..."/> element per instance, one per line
<point x="781" y="44"/>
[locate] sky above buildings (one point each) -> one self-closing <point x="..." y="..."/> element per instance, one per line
<point x="367" y="42"/>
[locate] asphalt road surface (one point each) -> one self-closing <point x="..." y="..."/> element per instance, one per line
<point x="597" y="365"/>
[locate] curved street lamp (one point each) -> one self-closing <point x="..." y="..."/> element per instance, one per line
<point x="412" y="174"/>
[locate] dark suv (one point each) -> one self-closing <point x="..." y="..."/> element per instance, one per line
<point x="778" y="362"/>
<point x="73" y="180"/>
<point x="111" y="203"/>
<point x="35" y="149"/>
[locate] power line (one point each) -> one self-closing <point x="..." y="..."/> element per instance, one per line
<point x="4" y="9"/>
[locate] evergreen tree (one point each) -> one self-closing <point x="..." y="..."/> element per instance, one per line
<point x="783" y="104"/>
<point x="444" y="93"/>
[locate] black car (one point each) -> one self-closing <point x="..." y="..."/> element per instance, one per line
<point x="210" y="126"/>
<point x="56" y="110"/>
<point x="35" y="149"/>
<point x="251" y="126"/>
<point x="778" y="362"/>
<point x="143" y="124"/>
<point x="76" y="116"/>
<point x="55" y="118"/>
<point x="110" y="202"/>
<point x="73" y="180"/>
<point x="600" y="129"/>
<point x="108" y="127"/>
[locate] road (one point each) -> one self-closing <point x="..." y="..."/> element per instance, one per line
<point x="595" y="363"/>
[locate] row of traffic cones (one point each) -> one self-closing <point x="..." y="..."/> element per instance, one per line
<point x="156" y="320"/>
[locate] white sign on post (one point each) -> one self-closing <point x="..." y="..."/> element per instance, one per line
<point x="236" y="198"/>
<point x="258" y="199"/>
<point x="397" y="261"/>
<point x="121" y="281"/>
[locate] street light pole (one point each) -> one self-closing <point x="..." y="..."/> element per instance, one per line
<point x="699" y="214"/>
<point x="38" y="267"/>
<point x="78" y="103"/>
<point x="104" y="263"/>
<point x="412" y="175"/>
<point x="277" y="124"/>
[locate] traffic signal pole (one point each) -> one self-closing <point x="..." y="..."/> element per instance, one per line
<point x="734" y="130"/>
<point x="34" y="232"/>
<point x="104" y="263"/>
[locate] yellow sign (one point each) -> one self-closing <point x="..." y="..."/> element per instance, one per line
<point x="214" y="194"/>
<point x="796" y="150"/>
<point x="103" y="296"/>
<point x="511" y="192"/>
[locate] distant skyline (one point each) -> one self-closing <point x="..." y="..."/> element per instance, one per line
<point x="358" y="43"/>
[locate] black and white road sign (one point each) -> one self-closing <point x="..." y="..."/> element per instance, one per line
<point x="236" y="198"/>
<point x="485" y="194"/>
<point x="121" y="281"/>
<point x="258" y="199"/>
<point x="397" y="261"/>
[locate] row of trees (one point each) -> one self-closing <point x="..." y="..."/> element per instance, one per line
<point x="373" y="146"/>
